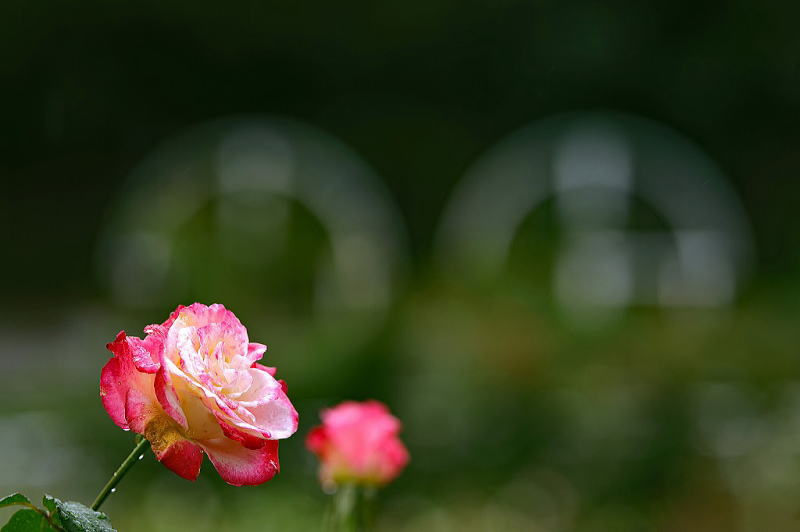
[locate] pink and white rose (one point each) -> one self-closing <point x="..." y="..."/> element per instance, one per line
<point x="358" y="443"/>
<point x="193" y="385"/>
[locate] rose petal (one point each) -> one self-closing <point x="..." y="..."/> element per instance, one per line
<point x="139" y="409"/>
<point x="233" y="338"/>
<point x="265" y="408"/>
<point x="240" y="466"/>
<point x="272" y="371"/>
<point x="187" y="344"/>
<point x="199" y="315"/>
<point x="168" y="398"/>
<point x="317" y="440"/>
<point x="391" y="458"/>
<point x="263" y="387"/>
<point x="141" y="352"/>
<point x="184" y="458"/>
<point x="255" y="351"/>
<point x="171" y="448"/>
<point x="126" y="393"/>
<point x="113" y="392"/>
<point x="278" y="417"/>
<point x="238" y="382"/>
<point x="249" y="440"/>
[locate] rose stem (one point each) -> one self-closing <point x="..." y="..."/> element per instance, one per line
<point x="353" y="509"/>
<point x="344" y="508"/>
<point x="120" y="472"/>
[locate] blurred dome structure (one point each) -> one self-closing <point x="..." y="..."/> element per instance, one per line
<point x="248" y="173"/>
<point x="644" y="217"/>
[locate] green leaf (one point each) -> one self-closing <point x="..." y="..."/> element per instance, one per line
<point x="49" y="502"/>
<point x="14" y="498"/>
<point x="27" y="520"/>
<point x="76" y="517"/>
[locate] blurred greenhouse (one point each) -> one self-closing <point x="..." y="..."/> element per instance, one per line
<point x="560" y="241"/>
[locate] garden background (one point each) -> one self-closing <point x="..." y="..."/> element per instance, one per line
<point x="559" y="239"/>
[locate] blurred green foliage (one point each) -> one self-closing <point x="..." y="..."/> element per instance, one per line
<point x="664" y="419"/>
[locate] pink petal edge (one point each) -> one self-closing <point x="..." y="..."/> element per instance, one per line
<point x="240" y="466"/>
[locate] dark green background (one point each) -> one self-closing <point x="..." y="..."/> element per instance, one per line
<point x="420" y="90"/>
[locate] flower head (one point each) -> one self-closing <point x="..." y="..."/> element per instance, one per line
<point x="193" y="385"/>
<point x="358" y="443"/>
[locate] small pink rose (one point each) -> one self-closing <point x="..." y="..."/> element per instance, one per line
<point x="192" y="386"/>
<point x="358" y="443"/>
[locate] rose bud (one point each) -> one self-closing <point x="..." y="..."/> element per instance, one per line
<point x="192" y="386"/>
<point x="358" y="443"/>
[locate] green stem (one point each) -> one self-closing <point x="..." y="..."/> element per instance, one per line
<point x="353" y="509"/>
<point x="344" y="517"/>
<point x="368" y="502"/>
<point x="120" y="472"/>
